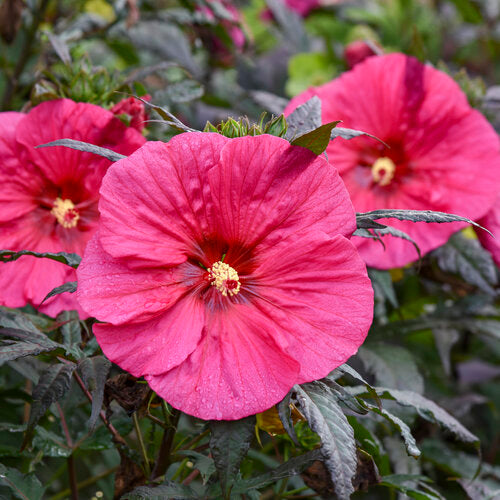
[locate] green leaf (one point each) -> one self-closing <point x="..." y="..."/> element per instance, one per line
<point x="305" y="118"/>
<point x="477" y="490"/>
<point x="382" y="283"/>
<point x="270" y="102"/>
<point x="393" y="366"/>
<point x="70" y="259"/>
<point x="445" y="339"/>
<point x="317" y="140"/>
<point x="338" y="447"/>
<point x="53" y="384"/>
<point x="467" y="258"/>
<point x="292" y="467"/>
<point x="72" y="332"/>
<point x="24" y="486"/>
<point x="168" y="117"/>
<point x="290" y="23"/>
<point x="229" y="443"/>
<point x="204" y="464"/>
<point x="10" y="350"/>
<point x="85" y="147"/>
<point x="413" y="486"/>
<point x="285" y="414"/>
<point x="184" y="91"/>
<point x="50" y="443"/>
<point x="308" y="69"/>
<point x="70" y="287"/>
<point x="413" y="216"/>
<point x="167" y="490"/>
<point x="10" y="318"/>
<point x="94" y="374"/>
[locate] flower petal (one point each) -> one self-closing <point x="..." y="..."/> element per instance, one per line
<point x="156" y="345"/>
<point x="316" y="291"/>
<point x="236" y="370"/>
<point x="111" y="292"/>
<point x="264" y="188"/>
<point x="155" y="204"/>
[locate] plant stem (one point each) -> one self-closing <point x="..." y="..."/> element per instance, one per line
<point x="116" y="435"/>
<point x="195" y="440"/>
<point x="144" y="453"/>
<point x="71" y="461"/>
<point x="24" y="56"/>
<point x="191" y="477"/>
<point x="163" y="460"/>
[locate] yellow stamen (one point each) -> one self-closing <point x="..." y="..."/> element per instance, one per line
<point x="383" y="171"/>
<point x="65" y="213"/>
<point x="224" y="278"/>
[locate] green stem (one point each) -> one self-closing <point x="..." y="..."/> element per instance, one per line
<point x="163" y="460"/>
<point x="147" y="468"/>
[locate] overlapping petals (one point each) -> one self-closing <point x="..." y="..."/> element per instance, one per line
<point x="446" y="155"/>
<point x="276" y="214"/>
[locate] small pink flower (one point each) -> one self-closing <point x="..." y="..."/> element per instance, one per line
<point x="442" y="154"/>
<point x="134" y="109"/>
<point x="491" y="221"/>
<point x="48" y="197"/>
<point x="357" y="51"/>
<point x="232" y="26"/>
<point x="223" y="270"/>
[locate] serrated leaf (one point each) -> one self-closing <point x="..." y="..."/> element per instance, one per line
<point x="409" y="440"/>
<point x="430" y="411"/>
<point x="52" y="386"/>
<point x="290" y="468"/>
<point x="413" y="216"/>
<point x="94" y="374"/>
<point x="393" y="366"/>
<point x="24" y="486"/>
<point x="168" y="117"/>
<point x="377" y="232"/>
<point x="85" y="147"/>
<point x="167" y="490"/>
<point x="317" y="140"/>
<point x="229" y="443"/>
<point x="11" y="350"/>
<point x="71" y="330"/>
<point x="347" y="133"/>
<point x="304" y="118"/>
<point x="467" y="258"/>
<point x="70" y="259"/>
<point x="326" y="418"/>
<point x="69" y="287"/>
<point x="10" y="318"/>
<point x="285" y="414"/>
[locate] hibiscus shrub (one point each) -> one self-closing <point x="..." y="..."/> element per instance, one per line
<point x="301" y="305"/>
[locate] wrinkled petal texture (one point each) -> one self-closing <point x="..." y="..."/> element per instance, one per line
<point x="282" y="214"/>
<point x="30" y="181"/>
<point x="491" y="221"/>
<point x="451" y="153"/>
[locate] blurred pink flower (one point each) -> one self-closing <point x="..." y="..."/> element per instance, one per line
<point x="48" y="197"/>
<point x="358" y="51"/>
<point x="301" y="7"/>
<point x="232" y="25"/>
<point x="135" y="109"/>
<point x="491" y="221"/>
<point x="223" y="270"/>
<point x="443" y="154"/>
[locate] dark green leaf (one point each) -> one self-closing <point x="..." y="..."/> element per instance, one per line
<point x="305" y="118"/>
<point x="52" y="386"/>
<point x="413" y="486"/>
<point x="270" y="102"/>
<point x="317" y="140"/>
<point x="285" y="414"/>
<point x="50" y="443"/>
<point x="445" y="339"/>
<point x="229" y="443"/>
<point x="10" y="350"/>
<point x="70" y="287"/>
<point x="290" y="23"/>
<point x="477" y="490"/>
<point x="94" y="374"/>
<point x="411" y="215"/>
<point x="85" y="147"/>
<point x="393" y="366"/>
<point x="467" y="258"/>
<point x="382" y="281"/>
<point x="24" y="486"/>
<point x="70" y="259"/>
<point x="292" y="467"/>
<point x="184" y="91"/>
<point x="71" y="330"/>
<point x="168" y="117"/>
<point x="347" y="133"/>
<point x="377" y="232"/>
<point x="204" y="464"/>
<point x="167" y="490"/>
<point x="338" y="447"/>
<point x="10" y="318"/>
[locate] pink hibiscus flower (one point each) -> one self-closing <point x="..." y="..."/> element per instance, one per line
<point x="48" y="197"/>
<point x="491" y="221"/>
<point x="442" y="154"/>
<point x="223" y="271"/>
<point x="135" y="109"/>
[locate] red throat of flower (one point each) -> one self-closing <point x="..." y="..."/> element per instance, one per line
<point x="224" y="278"/>
<point x="65" y="213"/>
<point x="383" y="171"/>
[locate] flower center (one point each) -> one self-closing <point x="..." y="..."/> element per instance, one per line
<point x="383" y="171"/>
<point x="65" y="213"/>
<point x="224" y="278"/>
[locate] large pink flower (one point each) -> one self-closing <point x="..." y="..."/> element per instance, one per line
<point x="443" y="155"/>
<point x="222" y="269"/>
<point x="48" y="197"/>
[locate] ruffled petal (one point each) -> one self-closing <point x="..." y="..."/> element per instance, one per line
<point x="236" y="370"/>
<point x="316" y="291"/>
<point x="110" y="291"/>
<point x="155" y="205"/>
<point x="156" y="345"/>
<point x="266" y="188"/>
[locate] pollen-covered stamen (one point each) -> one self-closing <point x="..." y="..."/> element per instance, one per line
<point x="383" y="171"/>
<point x="224" y="278"/>
<point x="65" y="213"/>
